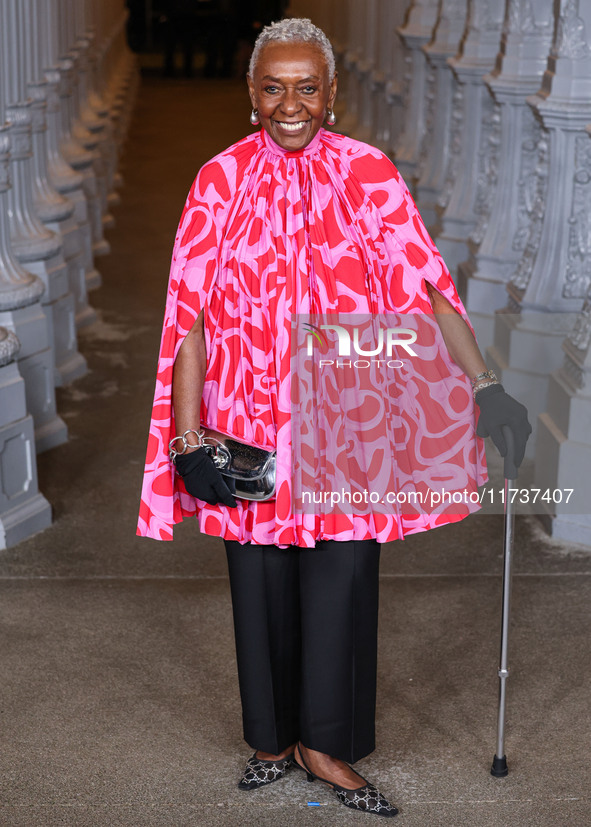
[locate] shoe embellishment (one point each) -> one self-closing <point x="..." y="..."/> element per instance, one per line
<point x="257" y="772"/>
<point x="368" y="798"/>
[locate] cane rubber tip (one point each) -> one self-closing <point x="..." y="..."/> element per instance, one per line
<point x="499" y="767"/>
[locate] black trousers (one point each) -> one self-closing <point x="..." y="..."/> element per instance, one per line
<point x="306" y="622"/>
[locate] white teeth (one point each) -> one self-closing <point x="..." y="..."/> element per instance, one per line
<point x="293" y="127"/>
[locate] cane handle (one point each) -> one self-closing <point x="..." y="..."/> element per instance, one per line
<point x="510" y="469"/>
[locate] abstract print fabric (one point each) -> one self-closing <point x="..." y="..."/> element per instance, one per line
<point x="266" y="236"/>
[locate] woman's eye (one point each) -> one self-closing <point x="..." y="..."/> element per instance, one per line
<point x="270" y="89"/>
<point x="309" y="90"/>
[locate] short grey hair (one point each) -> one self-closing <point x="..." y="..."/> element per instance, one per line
<point x="294" y="30"/>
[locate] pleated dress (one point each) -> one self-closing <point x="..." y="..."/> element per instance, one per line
<point x="276" y="244"/>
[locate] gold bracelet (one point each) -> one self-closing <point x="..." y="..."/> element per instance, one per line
<point x="481" y="387"/>
<point x="486" y="374"/>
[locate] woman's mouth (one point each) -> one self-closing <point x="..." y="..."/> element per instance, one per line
<point x="292" y="128"/>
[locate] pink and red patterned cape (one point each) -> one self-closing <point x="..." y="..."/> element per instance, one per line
<point x="266" y="234"/>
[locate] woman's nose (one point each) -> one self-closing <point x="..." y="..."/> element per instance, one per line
<point x="291" y="102"/>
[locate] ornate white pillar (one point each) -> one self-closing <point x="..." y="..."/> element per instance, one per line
<point x="379" y="133"/>
<point x="78" y="243"/>
<point x="23" y="510"/>
<point x="78" y="146"/>
<point x="355" y="67"/>
<point x="118" y="68"/>
<point x="339" y="38"/>
<point x="554" y="273"/>
<point x="55" y="211"/>
<point x="469" y="128"/>
<point x="385" y="80"/>
<point x="563" y="445"/>
<point x="564" y="106"/>
<point x="32" y="242"/>
<point x="20" y="289"/>
<point x="34" y="245"/>
<point x="97" y="105"/>
<point x="444" y="107"/>
<point x="367" y="75"/>
<point x="395" y="76"/>
<point x="415" y="34"/>
<point x="93" y="128"/>
<point x="507" y="194"/>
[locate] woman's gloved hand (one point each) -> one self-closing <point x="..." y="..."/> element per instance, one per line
<point x="202" y="479"/>
<point x="498" y="408"/>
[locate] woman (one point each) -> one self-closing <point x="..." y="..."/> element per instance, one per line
<point x="297" y="221"/>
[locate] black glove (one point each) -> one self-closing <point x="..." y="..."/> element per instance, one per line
<point x="202" y="479"/>
<point x="498" y="408"/>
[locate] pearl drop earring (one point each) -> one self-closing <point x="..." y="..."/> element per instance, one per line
<point x="330" y="118"/>
<point x="254" y="117"/>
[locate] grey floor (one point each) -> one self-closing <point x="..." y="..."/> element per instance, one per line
<point x="119" y="698"/>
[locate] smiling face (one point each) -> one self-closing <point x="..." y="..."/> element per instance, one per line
<point x="292" y="92"/>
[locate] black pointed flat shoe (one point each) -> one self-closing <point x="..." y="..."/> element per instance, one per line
<point x="257" y="772"/>
<point x="366" y="799"/>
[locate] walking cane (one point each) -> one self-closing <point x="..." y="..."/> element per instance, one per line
<point x="499" y="766"/>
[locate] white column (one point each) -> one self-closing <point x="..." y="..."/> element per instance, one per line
<point x="55" y="211"/>
<point x="564" y="106"/>
<point x="96" y="108"/>
<point x="18" y="287"/>
<point x="415" y="34"/>
<point x="92" y="129"/>
<point x="339" y="39"/>
<point x="458" y="198"/>
<point x="354" y="66"/>
<point x="69" y="182"/>
<point x="23" y="510"/>
<point x="32" y="241"/>
<point x="119" y="72"/>
<point x="79" y="146"/>
<point x="97" y="111"/>
<point x="444" y="108"/>
<point x="385" y="80"/>
<point x="36" y="247"/>
<point x="367" y="87"/>
<point x="507" y="183"/>
<point x="395" y="76"/>
<point x="563" y="445"/>
<point x="554" y="273"/>
<point x="379" y="125"/>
